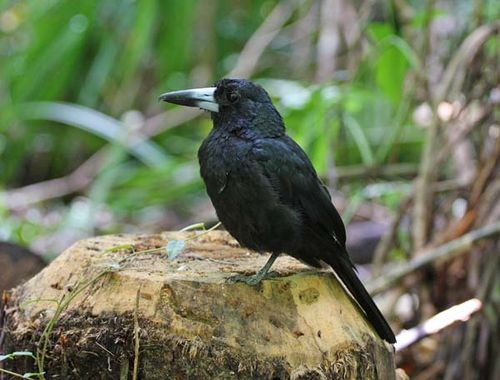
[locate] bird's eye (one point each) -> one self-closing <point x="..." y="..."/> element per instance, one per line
<point x="232" y="97"/>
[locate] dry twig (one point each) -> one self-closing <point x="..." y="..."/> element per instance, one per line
<point x="440" y="321"/>
<point x="445" y="251"/>
<point x="255" y="46"/>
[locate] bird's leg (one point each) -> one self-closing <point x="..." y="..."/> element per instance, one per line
<point x="259" y="276"/>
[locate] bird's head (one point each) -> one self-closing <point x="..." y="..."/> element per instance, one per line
<point x="234" y="104"/>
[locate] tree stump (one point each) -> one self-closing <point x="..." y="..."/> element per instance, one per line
<point x="106" y="309"/>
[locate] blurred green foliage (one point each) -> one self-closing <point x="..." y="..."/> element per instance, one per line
<point x="72" y="72"/>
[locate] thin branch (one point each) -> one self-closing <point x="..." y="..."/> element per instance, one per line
<point x="440" y="321"/>
<point x="464" y="128"/>
<point x="389" y="238"/>
<point x="169" y="119"/>
<point x="427" y="172"/>
<point x="445" y="251"/>
<point x="6" y="371"/>
<point x="456" y="70"/>
<point x="366" y="172"/>
<point x="262" y="37"/>
<point x="38" y="192"/>
<point x="423" y="193"/>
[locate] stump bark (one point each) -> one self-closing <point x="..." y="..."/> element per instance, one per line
<point x="105" y="309"/>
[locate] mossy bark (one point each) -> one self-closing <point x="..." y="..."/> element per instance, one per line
<point x="121" y="312"/>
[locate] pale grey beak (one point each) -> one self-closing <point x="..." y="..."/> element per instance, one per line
<point x="196" y="97"/>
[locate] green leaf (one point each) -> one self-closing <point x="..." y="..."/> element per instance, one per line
<point x="96" y="123"/>
<point x="390" y="72"/>
<point x="379" y="30"/>
<point x="360" y="139"/>
<point x="30" y="375"/>
<point x="406" y="50"/>
<point x="13" y="355"/>
<point x="174" y="248"/>
<point x="393" y="56"/>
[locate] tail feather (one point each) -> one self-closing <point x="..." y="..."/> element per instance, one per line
<point x="345" y="271"/>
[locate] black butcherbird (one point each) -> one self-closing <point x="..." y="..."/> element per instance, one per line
<point x="266" y="191"/>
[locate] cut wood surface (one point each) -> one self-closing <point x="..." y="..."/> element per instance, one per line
<point x="124" y="312"/>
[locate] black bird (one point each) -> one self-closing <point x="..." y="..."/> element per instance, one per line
<point x="265" y="190"/>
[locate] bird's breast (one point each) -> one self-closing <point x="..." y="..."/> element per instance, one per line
<point x="219" y="156"/>
<point x="244" y="199"/>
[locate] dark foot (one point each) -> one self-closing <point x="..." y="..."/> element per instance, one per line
<point x="250" y="280"/>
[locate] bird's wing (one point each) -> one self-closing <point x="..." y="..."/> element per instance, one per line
<point x="292" y="175"/>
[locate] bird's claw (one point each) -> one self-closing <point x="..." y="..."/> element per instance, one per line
<point x="250" y="280"/>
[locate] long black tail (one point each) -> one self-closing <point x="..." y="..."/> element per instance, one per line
<point x="345" y="271"/>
